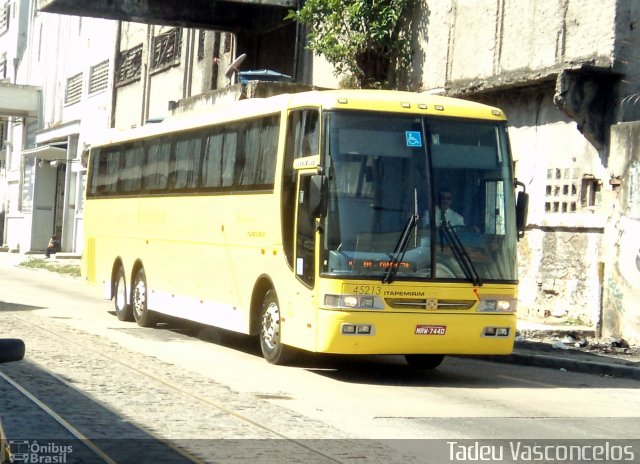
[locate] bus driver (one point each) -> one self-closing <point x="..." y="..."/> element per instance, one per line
<point x="444" y="211"/>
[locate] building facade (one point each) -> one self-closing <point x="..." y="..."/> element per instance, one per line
<point x="157" y="66"/>
<point x="83" y="76"/>
<point x="68" y="62"/>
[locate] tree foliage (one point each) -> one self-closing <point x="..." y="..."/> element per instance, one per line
<point x="363" y="39"/>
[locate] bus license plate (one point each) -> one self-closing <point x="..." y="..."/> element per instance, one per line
<point x="431" y="329"/>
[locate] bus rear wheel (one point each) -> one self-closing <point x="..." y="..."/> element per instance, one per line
<point x="271" y="330"/>
<point x="123" y="310"/>
<point x="424" y="361"/>
<point x="143" y="316"/>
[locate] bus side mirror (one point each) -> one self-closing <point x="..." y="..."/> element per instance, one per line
<point x="317" y="195"/>
<point x="11" y="349"/>
<point x="522" y="210"/>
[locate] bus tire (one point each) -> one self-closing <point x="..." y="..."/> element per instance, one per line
<point x="123" y="310"/>
<point x="271" y="330"/>
<point x="139" y="297"/>
<point x="424" y="361"/>
<point x="11" y="349"/>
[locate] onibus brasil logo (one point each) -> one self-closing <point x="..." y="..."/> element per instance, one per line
<point x="34" y="452"/>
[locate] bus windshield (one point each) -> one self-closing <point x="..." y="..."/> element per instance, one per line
<point x="418" y="198"/>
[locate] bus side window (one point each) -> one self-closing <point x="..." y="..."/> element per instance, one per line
<point x="268" y="151"/>
<point x="302" y="136"/>
<point x="155" y="170"/>
<point x="212" y="162"/>
<point x="241" y="155"/>
<point x="259" y="154"/>
<point x="98" y="169"/>
<point x="229" y="153"/>
<point x="130" y="175"/>
<point x="188" y="153"/>
<point x="110" y="178"/>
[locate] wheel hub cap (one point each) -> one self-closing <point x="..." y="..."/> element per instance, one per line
<point x="271" y="325"/>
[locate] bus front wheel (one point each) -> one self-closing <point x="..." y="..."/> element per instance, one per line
<point x="424" y="361"/>
<point x="123" y="310"/>
<point x="271" y="330"/>
<point x="141" y="313"/>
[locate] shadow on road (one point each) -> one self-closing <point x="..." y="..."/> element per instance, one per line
<point x="392" y="370"/>
<point x="39" y="409"/>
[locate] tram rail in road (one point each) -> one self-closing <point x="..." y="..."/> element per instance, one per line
<point x="51" y="418"/>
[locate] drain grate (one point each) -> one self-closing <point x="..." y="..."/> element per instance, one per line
<point x="269" y="396"/>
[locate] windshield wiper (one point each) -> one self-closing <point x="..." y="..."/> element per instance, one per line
<point x="460" y="253"/>
<point x="401" y="248"/>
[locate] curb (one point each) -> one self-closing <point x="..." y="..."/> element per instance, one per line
<point x="573" y="365"/>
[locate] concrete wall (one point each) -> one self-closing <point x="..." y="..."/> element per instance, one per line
<point x="621" y="276"/>
<point x="560" y="254"/>
<point x="461" y="41"/>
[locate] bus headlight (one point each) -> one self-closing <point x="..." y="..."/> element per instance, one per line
<point x="497" y="305"/>
<point x="352" y="302"/>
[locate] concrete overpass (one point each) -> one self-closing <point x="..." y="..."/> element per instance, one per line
<point x="239" y="16"/>
<point x="261" y="31"/>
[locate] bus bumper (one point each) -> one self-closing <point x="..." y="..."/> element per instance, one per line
<point x="414" y="333"/>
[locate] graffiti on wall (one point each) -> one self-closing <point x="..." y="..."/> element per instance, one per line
<point x="615" y="295"/>
<point x="633" y="195"/>
<point x="629" y="251"/>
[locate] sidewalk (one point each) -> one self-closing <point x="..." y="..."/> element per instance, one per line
<point x="570" y="348"/>
<point x="573" y="349"/>
<point x="14" y="259"/>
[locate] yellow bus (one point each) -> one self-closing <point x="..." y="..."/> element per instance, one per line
<point x="336" y="221"/>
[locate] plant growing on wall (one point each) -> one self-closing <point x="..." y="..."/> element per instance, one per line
<point x="364" y="40"/>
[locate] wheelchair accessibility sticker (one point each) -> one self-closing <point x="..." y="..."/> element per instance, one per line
<point x="414" y="138"/>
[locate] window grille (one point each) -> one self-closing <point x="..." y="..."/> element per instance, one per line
<point x="3" y="67"/>
<point x="74" y="89"/>
<point x="166" y="49"/>
<point x="129" y="66"/>
<point x="562" y="192"/>
<point x="201" y="37"/>
<point x="4" y="17"/>
<point x="99" y="77"/>
<point x="215" y="62"/>
<point x="227" y="42"/>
